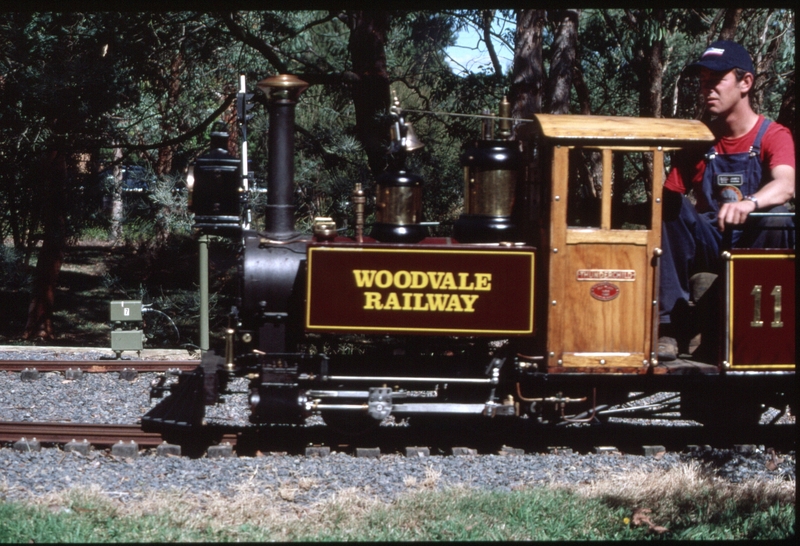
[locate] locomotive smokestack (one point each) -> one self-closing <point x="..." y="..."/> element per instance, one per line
<point x="282" y="93"/>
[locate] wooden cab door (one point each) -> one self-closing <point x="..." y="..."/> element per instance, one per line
<point x="605" y="233"/>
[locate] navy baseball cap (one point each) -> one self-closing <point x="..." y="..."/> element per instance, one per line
<point x="722" y="56"/>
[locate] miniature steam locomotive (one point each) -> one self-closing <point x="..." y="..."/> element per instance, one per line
<point x="542" y="304"/>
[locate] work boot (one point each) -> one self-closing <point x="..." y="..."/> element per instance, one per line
<point x="667" y="349"/>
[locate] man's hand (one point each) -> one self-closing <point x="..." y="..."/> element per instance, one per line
<point x="775" y="192"/>
<point x="734" y="213"/>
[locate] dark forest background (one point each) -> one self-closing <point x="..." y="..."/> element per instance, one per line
<point x="95" y="107"/>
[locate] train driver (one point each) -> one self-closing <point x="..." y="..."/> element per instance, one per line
<point x="750" y="167"/>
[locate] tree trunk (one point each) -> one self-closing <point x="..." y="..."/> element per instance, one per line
<point x="487" y="17"/>
<point x="730" y="24"/>
<point x="527" y="78"/>
<point x="370" y="87"/>
<point x="763" y="62"/>
<point x="582" y="92"/>
<point x="51" y="255"/>
<point x="563" y="61"/>
<point x="163" y="164"/>
<point x="787" y="111"/>
<point x="115" y="230"/>
<point x="651" y="105"/>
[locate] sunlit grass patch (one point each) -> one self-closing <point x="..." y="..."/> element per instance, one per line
<point x="692" y="503"/>
<point x="682" y="503"/>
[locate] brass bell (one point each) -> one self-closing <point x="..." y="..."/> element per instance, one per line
<point x="412" y="142"/>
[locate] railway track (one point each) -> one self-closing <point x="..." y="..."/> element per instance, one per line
<point x="389" y="439"/>
<point x="98" y="366"/>
<point x="99" y="435"/>
<point x="487" y="437"/>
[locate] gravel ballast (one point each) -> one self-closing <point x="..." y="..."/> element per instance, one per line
<point x="104" y="398"/>
<point x="312" y="479"/>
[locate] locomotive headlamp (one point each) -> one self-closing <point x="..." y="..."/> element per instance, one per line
<point x="190" y="185"/>
<point x="215" y="187"/>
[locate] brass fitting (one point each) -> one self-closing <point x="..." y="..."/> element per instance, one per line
<point x="229" y="348"/>
<point x="359" y="200"/>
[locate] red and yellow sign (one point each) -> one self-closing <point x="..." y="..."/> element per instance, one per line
<point x="761" y="309"/>
<point x="444" y="290"/>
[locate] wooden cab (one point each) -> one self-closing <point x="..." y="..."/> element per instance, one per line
<point x="601" y="216"/>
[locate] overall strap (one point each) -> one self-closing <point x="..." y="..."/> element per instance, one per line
<point x="755" y="149"/>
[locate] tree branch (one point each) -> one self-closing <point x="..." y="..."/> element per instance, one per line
<point x="185" y="136"/>
<point x="248" y="38"/>
<point x="486" y="19"/>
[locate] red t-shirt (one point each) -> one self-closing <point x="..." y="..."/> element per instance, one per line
<point x="777" y="148"/>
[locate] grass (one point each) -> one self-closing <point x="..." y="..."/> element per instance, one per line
<point x="680" y="504"/>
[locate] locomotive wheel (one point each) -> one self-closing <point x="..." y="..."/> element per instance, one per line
<point x="350" y="423"/>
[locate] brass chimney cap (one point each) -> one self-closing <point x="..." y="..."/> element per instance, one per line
<point x="287" y="82"/>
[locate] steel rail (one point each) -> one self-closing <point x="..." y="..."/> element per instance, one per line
<point x="95" y="434"/>
<point x="98" y="366"/>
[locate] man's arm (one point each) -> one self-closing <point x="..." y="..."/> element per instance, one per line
<point x="776" y="192"/>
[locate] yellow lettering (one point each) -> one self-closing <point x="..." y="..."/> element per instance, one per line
<point x="438" y="302"/>
<point x="418" y="301"/>
<point x="454" y="304"/>
<point x="436" y="278"/>
<point x="402" y="279"/>
<point x="383" y="279"/>
<point x="373" y="300"/>
<point x="469" y="301"/>
<point x="392" y="303"/>
<point x="483" y="281"/>
<point x="364" y="277"/>
<point x="421" y="301"/>
<point x="449" y="282"/>
<point x="419" y="279"/>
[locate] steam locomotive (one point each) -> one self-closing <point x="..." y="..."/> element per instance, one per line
<point x="542" y="304"/>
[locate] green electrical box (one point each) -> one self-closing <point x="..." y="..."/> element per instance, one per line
<point x="127" y="340"/>
<point x="126" y="311"/>
<point x="126" y="324"/>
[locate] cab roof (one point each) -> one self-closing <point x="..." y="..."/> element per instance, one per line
<point x="623" y="130"/>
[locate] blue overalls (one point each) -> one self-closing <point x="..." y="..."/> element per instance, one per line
<point x="690" y="240"/>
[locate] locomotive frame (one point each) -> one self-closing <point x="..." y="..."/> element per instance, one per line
<point x="545" y="310"/>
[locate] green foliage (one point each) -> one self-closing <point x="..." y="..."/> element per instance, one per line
<point x="14" y="275"/>
<point x="105" y="89"/>
<point x="612" y="43"/>
<point x="171" y="206"/>
<point x="122" y="79"/>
